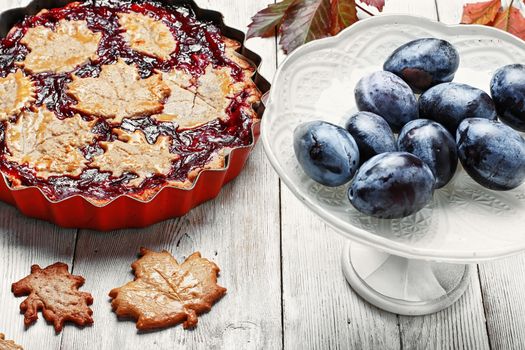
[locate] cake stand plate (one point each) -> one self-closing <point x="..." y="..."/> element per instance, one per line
<point x="417" y="264"/>
<point x="403" y="286"/>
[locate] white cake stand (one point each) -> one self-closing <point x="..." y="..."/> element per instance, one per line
<point x="419" y="264"/>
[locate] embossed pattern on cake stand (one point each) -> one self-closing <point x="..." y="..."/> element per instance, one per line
<point x="418" y="264"/>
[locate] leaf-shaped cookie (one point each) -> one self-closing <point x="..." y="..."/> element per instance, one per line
<point x="165" y="293"/>
<point x="8" y="344"/>
<point x="54" y="291"/>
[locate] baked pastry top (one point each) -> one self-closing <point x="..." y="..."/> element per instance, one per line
<point x="120" y="98"/>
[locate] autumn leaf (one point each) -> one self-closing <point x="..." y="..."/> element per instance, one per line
<point x="301" y="21"/>
<point x="480" y="12"/>
<point x="379" y="4"/>
<point x="305" y="21"/>
<point x="266" y="21"/>
<point x="165" y="293"/>
<point x="344" y="14"/>
<point x="512" y="21"/>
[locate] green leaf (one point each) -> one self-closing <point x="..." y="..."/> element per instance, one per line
<point x="266" y="21"/>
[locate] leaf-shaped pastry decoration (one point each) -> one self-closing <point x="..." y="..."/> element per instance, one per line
<point x="119" y="92"/>
<point x="60" y="49"/>
<point x="132" y="153"/>
<point x="54" y="291"/>
<point x="165" y="293"/>
<point x="147" y="35"/>
<point x="51" y="146"/>
<point x="17" y="91"/>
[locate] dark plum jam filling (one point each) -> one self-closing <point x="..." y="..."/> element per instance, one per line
<point x="199" y="45"/>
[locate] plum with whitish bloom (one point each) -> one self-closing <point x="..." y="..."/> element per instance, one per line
<point x="327" y="153"/>
<point x="392" y="185"/>
<point x="387" y="95"/>
<point x="434" y="145"/>
<point x="372" y="134"/>
<point x="423" y="63"/>
<point x="492" y="153"/>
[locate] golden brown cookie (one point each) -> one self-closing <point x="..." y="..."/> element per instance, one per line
<point x="165" y="293"/>
<point x="8" y="344"/>
<point x="54" y="291"/>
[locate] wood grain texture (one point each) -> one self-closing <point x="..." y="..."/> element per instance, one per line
<point x="244" y="232"/>
<point x="503" y="283"/>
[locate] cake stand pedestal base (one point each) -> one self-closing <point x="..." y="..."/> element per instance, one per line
<point x="403" y="286"/>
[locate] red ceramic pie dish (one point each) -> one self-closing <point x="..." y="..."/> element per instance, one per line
<point x="125" y="209"/>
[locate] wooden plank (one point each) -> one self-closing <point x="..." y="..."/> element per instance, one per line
<point x="239" y="231"/>
<point x="502" y="284"/>
<point x="450" y="11"/>
<point x="320" y="310"/>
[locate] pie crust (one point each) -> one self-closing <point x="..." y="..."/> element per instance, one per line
<point x="59" y="49"/>
<point x="118" y="93"/>
<point x="17" y="91"/>
<point x="50" y="146"/>
<point x="147" y="35"/>
<point x="131" y="153"/>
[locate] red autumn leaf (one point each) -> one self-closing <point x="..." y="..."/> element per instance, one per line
<point x="305" y="21"/>
<point x="512" y="21"/>
<point x="308" y="20"/>
<point x="265" y="21"/>
<point x="379" y="4"/>
<point x="344" y="14"/>
<point x="480" y="12"/>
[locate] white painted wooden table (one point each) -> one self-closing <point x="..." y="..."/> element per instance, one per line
<point x="281" y="265"/>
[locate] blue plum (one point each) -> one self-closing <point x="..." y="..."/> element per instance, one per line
<point x="372" y="134"/>
<point x="508" y="91"/>
<point x="434" y="145"/>
<point x="326" y="152"/>
<point x="492" y="153"/>
<point x="423" y="63"/>
<point x="451" y="103"/>
<point x="392" y="185"/>
<point x="387" y="95"/>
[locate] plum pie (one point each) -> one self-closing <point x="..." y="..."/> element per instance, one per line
<point x="120" y="98"/>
